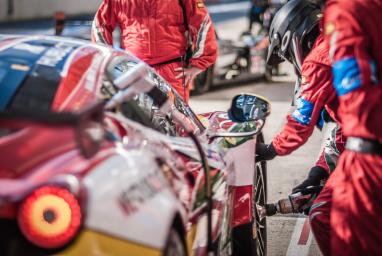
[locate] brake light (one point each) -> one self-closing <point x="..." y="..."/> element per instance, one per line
<point x="50" y="217"/>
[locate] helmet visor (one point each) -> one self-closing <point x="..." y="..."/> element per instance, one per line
<point x="273" y="57"/>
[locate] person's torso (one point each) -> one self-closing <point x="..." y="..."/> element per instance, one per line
<point x="362" y="111"/>
<point x="153" y="30"/>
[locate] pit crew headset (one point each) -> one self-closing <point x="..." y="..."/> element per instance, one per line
<point x="293" y="32"/>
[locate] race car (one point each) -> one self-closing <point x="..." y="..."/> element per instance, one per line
<point x="99" y="155"/>
<point x="244" y="60"/>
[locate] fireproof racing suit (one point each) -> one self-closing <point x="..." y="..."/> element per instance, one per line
<point x="155" y="32"/>
<point x="317" y="94"/>
<point x="354" y="33"/>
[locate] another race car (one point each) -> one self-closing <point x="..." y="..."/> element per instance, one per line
<point x="99" y="155"/>
<point x="244" y="60"/>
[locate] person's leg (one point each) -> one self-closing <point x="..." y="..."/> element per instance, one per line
<point x="357" y="206"/>
<point x="319" y="217"/>
<point x="168" y="73"/>
<point x="250" y="19"/>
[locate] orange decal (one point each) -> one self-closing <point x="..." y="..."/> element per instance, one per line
<point x="329" y="28"/>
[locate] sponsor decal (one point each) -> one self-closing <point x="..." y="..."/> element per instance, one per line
<point x="34" y="49"/>
<point x="20" y="67"/>
<point x="55" y="55"/>
<point x="347" y="76"/>
<point x="134" y="196"/>
<point x="303" y="112"/>
<point x="329" y="28"/>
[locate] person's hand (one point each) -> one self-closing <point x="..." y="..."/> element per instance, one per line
<point x="188" y="73"/>
<point x="311" y="186"/>
<point x="265" y="152"/>
<point x="315" y="176"/>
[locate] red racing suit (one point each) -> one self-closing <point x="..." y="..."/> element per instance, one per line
<point x="317" y="93"/>
<point x="354" y="33"/>
<point x="155" y="32"/>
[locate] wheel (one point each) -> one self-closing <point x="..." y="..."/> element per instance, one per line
<point x="175" y="245"/>
<point x="260" y="199"/>
<point x="251" y="238"/>
<point x="203" y="81"/>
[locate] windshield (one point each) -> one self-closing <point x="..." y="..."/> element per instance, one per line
<point x="162" y="123"/>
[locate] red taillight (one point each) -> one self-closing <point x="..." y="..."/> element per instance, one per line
<point x="50" y="217"/>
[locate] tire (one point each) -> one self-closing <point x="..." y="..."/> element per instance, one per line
<point x="175" y="245"/>
<point x="203" y="81"/>
<point x="260" y="197"/>
<point x="251" y="238"/>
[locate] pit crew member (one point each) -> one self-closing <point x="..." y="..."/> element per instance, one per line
<point x="157" y="32"/>
<point x="354" y="33"/>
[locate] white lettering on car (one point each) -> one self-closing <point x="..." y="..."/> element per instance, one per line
<point x="34" y="49"/>
<point x="54" y="55"/>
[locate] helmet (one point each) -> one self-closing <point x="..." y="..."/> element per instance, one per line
<point x="293" y="31"/>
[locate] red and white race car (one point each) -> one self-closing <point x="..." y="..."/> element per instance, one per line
<point x="99" y="155"/>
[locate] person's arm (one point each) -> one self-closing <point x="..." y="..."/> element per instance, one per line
<point x="356" y="73"/>
<point x="104" y="24"/>
<point x="202" y="34"/>
<point x="315" y="93"/>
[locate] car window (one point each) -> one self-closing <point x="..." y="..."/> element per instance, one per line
<point x="164" y="123"/>
<point x="22" y="89"/>
<point x="160" y="122"/>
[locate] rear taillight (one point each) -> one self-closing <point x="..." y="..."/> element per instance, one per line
<point x="50" y="217"/>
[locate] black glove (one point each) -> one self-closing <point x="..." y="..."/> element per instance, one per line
<point x="315" y="176"/>
<point x="311" y="186"/>
<point x="265" y="152"/>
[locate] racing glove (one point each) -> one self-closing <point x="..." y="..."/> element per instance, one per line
<point x="265" y="152"/>
<point x="311" y="185"/>
<point x="315" y="176"/>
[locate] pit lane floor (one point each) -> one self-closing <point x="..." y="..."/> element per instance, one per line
<point x="287" y="235"/>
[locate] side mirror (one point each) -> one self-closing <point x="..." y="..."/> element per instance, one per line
<point x="249" y="107"/>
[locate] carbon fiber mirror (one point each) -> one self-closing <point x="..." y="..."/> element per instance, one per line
<point x="249" y="107"/>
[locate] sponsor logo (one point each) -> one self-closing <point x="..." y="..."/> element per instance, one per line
<point x="34" y="49"/>
<point x="136" y="195"/>
<point x="55" y="55"/>
<point x="329" y="28"/>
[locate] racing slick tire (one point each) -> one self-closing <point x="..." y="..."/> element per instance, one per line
<point x="175" y="245"/>
<point x="251" y="238"/>
<point x="203" y="81"/>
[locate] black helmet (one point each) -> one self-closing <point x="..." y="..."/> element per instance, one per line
<point x="293" y="31"/>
